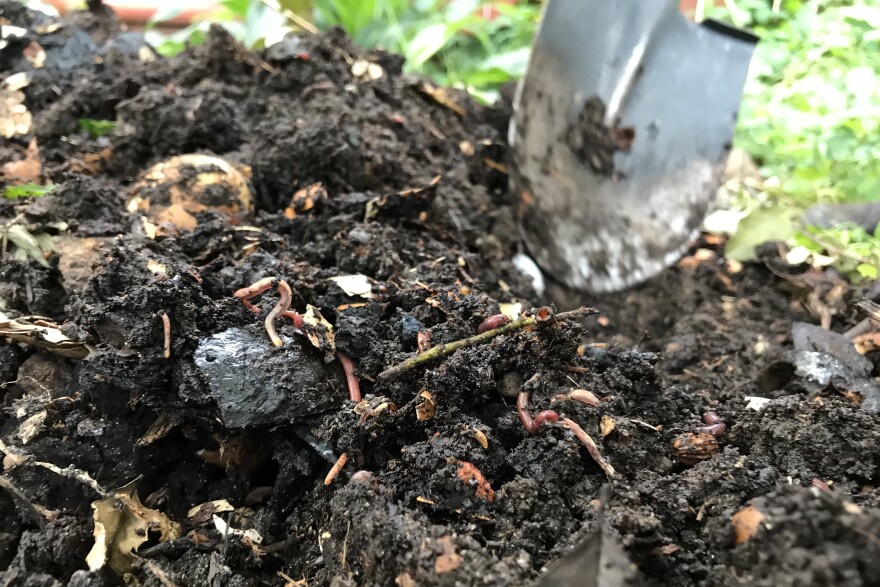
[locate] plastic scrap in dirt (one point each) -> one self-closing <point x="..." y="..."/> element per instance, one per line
<point x="122" y="525"/>
<point x="41" y="333"/>
<point x="824" y="359"/>
<point x="354" y="285"/>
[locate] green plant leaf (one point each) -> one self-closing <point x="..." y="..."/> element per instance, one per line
<point x="96" y="128"/>
<point x="28" y="190"/>
<point x="760" y="226"/>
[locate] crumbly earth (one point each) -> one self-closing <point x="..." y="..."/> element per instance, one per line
<point x="443" y="485"/>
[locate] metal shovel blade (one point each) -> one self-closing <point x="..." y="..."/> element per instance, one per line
<point x="620" y="130"/>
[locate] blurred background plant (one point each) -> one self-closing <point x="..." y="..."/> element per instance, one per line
<point x="810" y="116"/>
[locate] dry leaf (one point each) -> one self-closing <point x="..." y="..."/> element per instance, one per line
<point x="606" y="426"/>
<point x="441" y="96"/>
<point x="156" y="267"/>
<point x="426" y="409"/>
<point x="43" y="334"/>
<point x="318" y="330"/>
<point x="122" y="525"/>
<point x="250" y="535"/>
<point x="162" y="425"/>
<point x="31" y="427"/>
<point x="480" y="437"/>
<point x="449" y="560"/>
<point x="867" y="342"/>
<point x="35" y="55"/>
<point x="354" y="285"/>
<point x="511" y="310"/>
<point x="200" y="514"/>
<point x="24" y="170"/>
<point x="745" y="523"/>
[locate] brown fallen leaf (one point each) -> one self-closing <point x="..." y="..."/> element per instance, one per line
<point x="122" y="525"/>
<point x="606" y="425"/>
<point x="426" y="409"/>
<point x="319" y="332"/>
<point x="29" y="169"/>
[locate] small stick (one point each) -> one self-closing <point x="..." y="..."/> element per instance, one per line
<point x="590" y="445"/>
<point x="70" y="471"/>
<point x="166" y="327"/>
<point x="450" y="347"/>
<point x="335" y="469"/>
<point x="354" y="386"/>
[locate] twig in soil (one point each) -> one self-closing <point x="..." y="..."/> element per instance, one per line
<point x="336" y="469"/>
<point x="354" y="386"/>
<point x="70" y="471"/>
<point x="23" y="502"/>
<point x="543" y="316"/>
<point x="166" y="329"/>
<point x="590" y="445"/>
<point x="157" y="572"/>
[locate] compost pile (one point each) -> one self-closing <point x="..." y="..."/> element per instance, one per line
<point x="153" y="434"/>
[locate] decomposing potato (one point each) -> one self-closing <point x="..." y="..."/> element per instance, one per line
<point x="170" y="192"/>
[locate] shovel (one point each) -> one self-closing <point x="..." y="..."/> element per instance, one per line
<point x="620" y="131"/>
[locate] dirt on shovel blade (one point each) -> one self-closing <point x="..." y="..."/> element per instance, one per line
<point x="700" y="430"/>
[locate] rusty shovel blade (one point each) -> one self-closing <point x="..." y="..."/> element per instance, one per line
<point x="620" y="131"/>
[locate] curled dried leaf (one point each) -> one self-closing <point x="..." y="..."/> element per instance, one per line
<point x="122" y="525"/>
<point x="427" y="408"/>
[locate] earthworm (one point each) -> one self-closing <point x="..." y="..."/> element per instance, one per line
<point x="716" y="426"/>
<point x="336" y="468"/>
<point x="246" y="293"/>
<point x="354" y="386"/>
<point x="590" y="446"/>
<point x="296" y="317"/>
<point x="532" y="426"/>
<point x="166" y="327"/>
<point x="285" y="296"/>
<point x="493" y="322"/>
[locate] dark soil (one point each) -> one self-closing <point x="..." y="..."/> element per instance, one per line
<point x="461" y="495"/>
